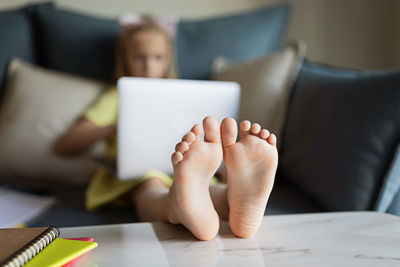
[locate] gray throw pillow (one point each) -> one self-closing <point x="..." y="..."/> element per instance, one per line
<point x="341" y="135"/>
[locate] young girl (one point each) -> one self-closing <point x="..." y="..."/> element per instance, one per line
<point x="144" y="50"/>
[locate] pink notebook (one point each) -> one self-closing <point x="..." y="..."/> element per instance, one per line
<point x="79" y="260"/>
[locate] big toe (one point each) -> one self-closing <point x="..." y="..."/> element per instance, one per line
<point x="211" y="130"/>
<point x="228" y="132"/>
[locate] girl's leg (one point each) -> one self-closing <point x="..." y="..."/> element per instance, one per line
<point x="150" y="199"/>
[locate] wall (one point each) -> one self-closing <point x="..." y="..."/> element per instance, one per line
<point x="397" y="34"/>
<point x="362" y="34"/>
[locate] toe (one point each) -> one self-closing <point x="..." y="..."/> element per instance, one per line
<point x="255" y="128"/>
<point x="245" y="128"/>
<point x="182" y="147"/>
<point x="228" y="132"/>
<point x="272" y="139"/>
<point x="176" y="157"/>
<point x="211" y="130"/>
<point x="189" y="137"/>
<point x="264" y="134"/>
<point x="196" y="129"/>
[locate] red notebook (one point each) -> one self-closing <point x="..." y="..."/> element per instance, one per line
<point x="79" y="260"/>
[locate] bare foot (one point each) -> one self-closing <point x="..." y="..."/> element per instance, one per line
<point x="195" y="161"/>
<point x="251" y="165"/>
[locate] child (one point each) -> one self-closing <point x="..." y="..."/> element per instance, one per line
<point x="145" y="50"/>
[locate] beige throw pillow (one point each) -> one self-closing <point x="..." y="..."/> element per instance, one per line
<point x="38" y="107"/>
<point x="266" y="84"/>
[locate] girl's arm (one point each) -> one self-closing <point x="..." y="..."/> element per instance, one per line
<point x="80" y="137"/>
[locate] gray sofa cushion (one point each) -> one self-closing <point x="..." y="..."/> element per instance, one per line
<point x="286" y="198"/>
<point x="237" y="37"/>
<point x="70" y="211"/>
<point x="341" y="134"/>
<point x="76" y="43"/>
<point x="17" y="40"/>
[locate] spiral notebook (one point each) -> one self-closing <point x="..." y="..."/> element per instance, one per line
<point x="19" y="245"/>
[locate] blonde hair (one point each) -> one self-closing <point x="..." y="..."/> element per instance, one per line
<point x="128" y="30"/>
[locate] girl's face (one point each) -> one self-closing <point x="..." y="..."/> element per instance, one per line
<point x="147" y="54"/>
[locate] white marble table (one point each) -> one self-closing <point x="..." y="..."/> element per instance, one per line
<point x="322" y="239"/>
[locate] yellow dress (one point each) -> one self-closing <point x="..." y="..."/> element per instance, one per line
<point x="104" y="188"/>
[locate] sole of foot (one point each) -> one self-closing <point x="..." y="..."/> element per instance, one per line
<point x="251" y="165"/>
<point x="195" y="161"/>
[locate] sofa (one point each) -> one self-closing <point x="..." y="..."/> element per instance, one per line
<point x="339" y="142"/>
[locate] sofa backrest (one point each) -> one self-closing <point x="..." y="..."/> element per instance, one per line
<point x="84" y="45"/>
<point x="17" y="39"/>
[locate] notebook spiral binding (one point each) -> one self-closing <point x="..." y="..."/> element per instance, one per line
<point x="34" y="247"/>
